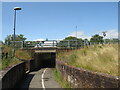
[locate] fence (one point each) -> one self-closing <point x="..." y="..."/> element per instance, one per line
<point x="59" y="43"/>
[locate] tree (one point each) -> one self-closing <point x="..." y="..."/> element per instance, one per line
<point x="72" y="38"/>
<point x="20" y="38"/>
<point x="1" y="42"/>
<point x="86" y="42"/>
<point x="70" y="42"/>
<point x="96" y="39"/>
<point x="46" y="39"/>
<point x="10" y="38"/>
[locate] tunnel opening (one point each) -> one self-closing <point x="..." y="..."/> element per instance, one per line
<point x="45" y="60"/>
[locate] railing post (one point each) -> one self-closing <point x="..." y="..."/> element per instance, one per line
<point x="53" y="43"/>
<point x="76" y="43"/>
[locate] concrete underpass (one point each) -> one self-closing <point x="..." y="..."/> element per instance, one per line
<point x="42" y="76"/>
<point x="45" y="60"/>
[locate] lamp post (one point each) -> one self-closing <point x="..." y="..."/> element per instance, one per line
<point x="15" y="8"/>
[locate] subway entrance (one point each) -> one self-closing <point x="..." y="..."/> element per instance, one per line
<point x="45" y="59"/>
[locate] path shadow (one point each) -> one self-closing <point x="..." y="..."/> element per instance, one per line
<point x="24" y="84"/>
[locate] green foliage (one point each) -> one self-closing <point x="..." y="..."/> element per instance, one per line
<point x="46" y="39"/>
<point x="6" y="62"/>
<point x="17" y="38"/>
<point x="70" y="42"/>
<point x="72" y="58"/>
<point x="58" y="77"/>
<point x="72" y="38"/>
<point x="1" y="42"/>
<point x="114" y="40"/>
<point x="96" y="39"/>
<point x="99" y="58"/>
<point x="10" y="60"/>
<point x="22" y="54"/>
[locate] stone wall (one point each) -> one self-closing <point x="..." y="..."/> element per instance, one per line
<point x="80" y="78"/>
<point x="13" y="75"/>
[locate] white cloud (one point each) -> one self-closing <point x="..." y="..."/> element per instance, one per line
<point x="79" y="34"/>
<point x="113" y="33"/>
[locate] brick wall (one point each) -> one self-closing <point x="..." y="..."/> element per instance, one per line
<point x="81" y="78"/>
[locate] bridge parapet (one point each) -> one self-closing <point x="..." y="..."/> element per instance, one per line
<point x="45" y="50"/>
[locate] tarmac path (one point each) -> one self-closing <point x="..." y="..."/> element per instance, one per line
<point x="40" y="79"/>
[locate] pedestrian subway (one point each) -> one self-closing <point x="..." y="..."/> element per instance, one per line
<point x="45" y="60"/>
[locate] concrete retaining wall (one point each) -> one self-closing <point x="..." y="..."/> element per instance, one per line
<point x="80" y="78"/>
<point x="29" y="65"/>
<point x="13" y="75"/>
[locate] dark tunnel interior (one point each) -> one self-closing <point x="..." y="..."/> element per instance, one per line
<point x="45" y="60"/>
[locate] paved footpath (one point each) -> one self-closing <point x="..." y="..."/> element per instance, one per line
<point x="40" y="79"/>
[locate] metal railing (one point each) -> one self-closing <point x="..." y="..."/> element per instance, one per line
<point x="56" y="43"/>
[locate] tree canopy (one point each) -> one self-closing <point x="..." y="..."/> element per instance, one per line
<point x="19" y="37"/>
<point x="72" y="38"/>
<point x="97" y="39"/>
<point x="70" y="42"/>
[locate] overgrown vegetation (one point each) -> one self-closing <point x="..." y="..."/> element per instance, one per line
<point x="10" y="38"/>
<point x="59" y="79"/>
<point x="99" y="58"/>
<point x="21" y="54"/>
<point x="8" y="59"/>
<point x="7" y="62"/>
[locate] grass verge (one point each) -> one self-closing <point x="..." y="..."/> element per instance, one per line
<point x="59" y="79"/>
<point x="99" y="58"/>
<point x="9" y="60"/>
<point x="21" y="54"/>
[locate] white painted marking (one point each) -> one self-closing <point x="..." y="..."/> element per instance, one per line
<point x="43" y="84"/>
<point x="27" y="71"/>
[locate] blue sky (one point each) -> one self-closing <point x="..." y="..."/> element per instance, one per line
<point x="41" y="20"/>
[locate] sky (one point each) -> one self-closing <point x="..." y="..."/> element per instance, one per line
<point x="57" y="20"/>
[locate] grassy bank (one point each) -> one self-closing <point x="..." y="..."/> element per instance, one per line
<point x="9" y="60"/>
<point x="59" y="79"/>
<point x="99" y="58"/>
<point x="21" y="54"/>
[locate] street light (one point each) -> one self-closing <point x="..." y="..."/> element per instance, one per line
<point x="15" y="8"/>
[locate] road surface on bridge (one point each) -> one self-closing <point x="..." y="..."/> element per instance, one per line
<point x="42" y="78"/>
